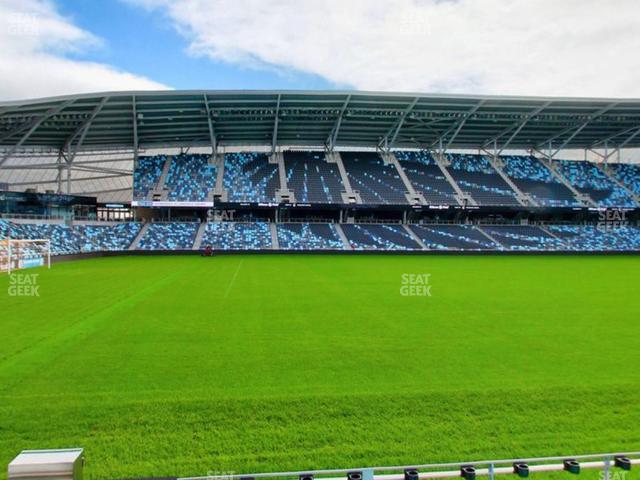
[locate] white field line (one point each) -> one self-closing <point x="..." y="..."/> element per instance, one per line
<point x="233" y="279"/>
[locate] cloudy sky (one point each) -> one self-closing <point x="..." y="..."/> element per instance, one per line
<point x="522" y="47"/>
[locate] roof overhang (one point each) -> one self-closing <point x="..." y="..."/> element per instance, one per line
<point x="150" y="119"/>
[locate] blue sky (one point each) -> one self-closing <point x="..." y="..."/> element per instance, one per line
<point x="144" y="42"/>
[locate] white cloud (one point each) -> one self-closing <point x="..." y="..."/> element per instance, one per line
<point x="524" y="47"/>
<point x="34" y="40"/>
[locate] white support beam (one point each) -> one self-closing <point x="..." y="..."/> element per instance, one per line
<point x="135" y="131"/>
<point x="615" y="135"/>
<point x="575" y="128"/>
<point x="274" y="136"/>
<point x="212" y="133"/>
<point x="82" y="130"/>
<point x="519" y="128"/>
<point x="457" y="126"/>
<point x="631" y="137"/>
<point x="101" y="170"/>
<point x="387" y="143"/>
<point x="333" y="135"/>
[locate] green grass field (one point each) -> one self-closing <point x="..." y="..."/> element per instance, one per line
<point x="187" y="365"/>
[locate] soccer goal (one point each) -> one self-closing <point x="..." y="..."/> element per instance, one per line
<point x="19" y="254"/>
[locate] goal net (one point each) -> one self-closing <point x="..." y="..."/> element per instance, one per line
<point x="19" y="254"/>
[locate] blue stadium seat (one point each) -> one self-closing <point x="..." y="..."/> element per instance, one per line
<point x="453" y="237"/>
<point x="534" y="178"/>
<point x="377" y="183"/>
<point x="110" y="237"/>
<point x="64" y="240"/>
<point x="169" y="236"/>
<point x="190" y="178"/>
<point x="249" y="177"/>
<point x="308" y="236"/>
<point x="589" y="179"/>
<point x="237" y="236"/>
<point x="595" y="238"/>
<point x="524" y="237"/>
<point x="426" y="177"/>
<point x="628" y="174"/>
<point x="146" y="175"/>
<point x="475" y="175"/>
<point x="379" y="237"/>
<point x="312" y="179"/>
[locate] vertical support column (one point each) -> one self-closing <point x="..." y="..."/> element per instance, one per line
<point x="68" y="179"/>
<point x="60" y="168"/>
<point x="135" y="132"/>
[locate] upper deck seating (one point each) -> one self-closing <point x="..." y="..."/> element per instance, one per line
<point x="534" y="178"/>
<point x="426" y="177"/>
<point x="312" y="179"/>
<point x="475" y="175"/>
<point x="628" y="174"/>
<point x="146" y="175"/>
<point x="249" y="177"/>
<point x="589" y="179"/>
<point x="377" y="183"/>
<point x="190" y="178"/>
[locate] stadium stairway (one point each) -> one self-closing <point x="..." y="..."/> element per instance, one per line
<point x="283" y="194"/>
<point x="413" y="197"/>
<point x="141" y="233"/>
<point x="198" y="240"/>
<point x="604" y="169"/>
<point x="488" y="236"/>
<point x="522" y="198"/>
<point x="415" y="237"/>
<point x="343" y="237"/>
<point x="219" y="190"/>
<point x="461" y="197"/>
<point x="275" y="243"/>
<point x="349" y="195"/>
<point x="548" y="231"/>
<point x="160" y="190"/>
<point x="553" y="168"/>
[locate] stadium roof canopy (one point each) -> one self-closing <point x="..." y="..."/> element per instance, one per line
<point x="147" y="119"/>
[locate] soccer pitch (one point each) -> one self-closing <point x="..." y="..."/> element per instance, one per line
<point x="173" y="365"/>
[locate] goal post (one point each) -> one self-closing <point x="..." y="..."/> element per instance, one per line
<point x="19" y="254"/>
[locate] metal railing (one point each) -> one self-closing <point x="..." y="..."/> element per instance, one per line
<point x="468" y="470"/>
